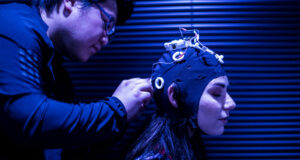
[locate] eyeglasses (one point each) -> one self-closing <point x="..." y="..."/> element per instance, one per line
<point x="110" y="26"/>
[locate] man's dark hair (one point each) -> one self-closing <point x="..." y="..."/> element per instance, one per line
<point x="125" y="7"/>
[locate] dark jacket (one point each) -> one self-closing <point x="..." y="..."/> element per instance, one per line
<point x="34" y="112"/>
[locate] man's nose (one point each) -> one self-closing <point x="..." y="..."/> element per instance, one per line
<point x="104" y="40"/>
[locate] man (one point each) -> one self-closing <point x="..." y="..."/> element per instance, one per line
<point x="36" y="111"/>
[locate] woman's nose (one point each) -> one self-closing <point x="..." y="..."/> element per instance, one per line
<point x="229" y="104"/>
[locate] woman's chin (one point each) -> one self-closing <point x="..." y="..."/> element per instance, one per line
<point x="214" y="132"/>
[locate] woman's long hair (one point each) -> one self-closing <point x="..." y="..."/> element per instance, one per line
<point x="161" y="132"/>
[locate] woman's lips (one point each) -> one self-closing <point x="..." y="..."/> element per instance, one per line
<point x="224" y="120"/>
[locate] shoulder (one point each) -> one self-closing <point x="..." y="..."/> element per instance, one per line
<point x="24" y="47"/>
<point x="23" y="25"/>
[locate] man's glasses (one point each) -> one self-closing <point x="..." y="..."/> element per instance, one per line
<point x="110" y="26"/>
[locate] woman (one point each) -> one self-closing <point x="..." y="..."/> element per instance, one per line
<point x="190" y="90"/>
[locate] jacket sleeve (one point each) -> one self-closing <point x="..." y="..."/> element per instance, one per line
<point x="38" y="120"/>
<point x="30" y="117"/>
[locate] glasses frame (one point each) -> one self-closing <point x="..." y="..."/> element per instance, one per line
<point x="110" y="20"/>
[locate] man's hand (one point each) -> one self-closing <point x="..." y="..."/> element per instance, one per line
<point x="135" y="94"/>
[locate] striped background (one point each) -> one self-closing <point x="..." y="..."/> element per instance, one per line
<point x="260" y="40"/>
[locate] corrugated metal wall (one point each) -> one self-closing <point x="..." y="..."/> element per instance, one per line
<point x="260" y="40"/>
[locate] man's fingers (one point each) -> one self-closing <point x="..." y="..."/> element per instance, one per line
<point x="145" y="97"/>
<point x="137" y="81"/>
<point x="134" y="79"/>
<point x="135" y="94"/>
<point x="146" y="86"/>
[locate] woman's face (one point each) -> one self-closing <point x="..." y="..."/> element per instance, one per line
<point x="214" y="106"/>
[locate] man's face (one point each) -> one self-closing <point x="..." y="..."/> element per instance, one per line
<point x="84" y="34"/>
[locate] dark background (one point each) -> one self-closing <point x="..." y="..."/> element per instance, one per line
<point x="260" y="40"/>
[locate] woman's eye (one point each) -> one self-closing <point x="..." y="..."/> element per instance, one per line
<point x="216" y="95"/>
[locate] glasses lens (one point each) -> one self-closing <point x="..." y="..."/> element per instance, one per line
<point x="110" y="29"/>
<point x="109" y="21"/>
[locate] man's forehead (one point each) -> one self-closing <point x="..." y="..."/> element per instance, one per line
<point x="110" y="6"/>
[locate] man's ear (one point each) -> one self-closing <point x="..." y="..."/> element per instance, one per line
<point x="68" y="6"/>
<point x="171" y="92"/>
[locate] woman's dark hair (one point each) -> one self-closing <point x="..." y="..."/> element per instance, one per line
<point x="163" y="134"/>
<point x="163" y="131"/>
<point x="125" y="7"/>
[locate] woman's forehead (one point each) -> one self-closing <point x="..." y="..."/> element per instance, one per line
<point x="221" y="81"/>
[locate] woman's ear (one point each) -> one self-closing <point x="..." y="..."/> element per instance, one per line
<point x="171" y="93"/>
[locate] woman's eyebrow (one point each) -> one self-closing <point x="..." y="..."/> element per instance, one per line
<point x="220" y="84"/>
